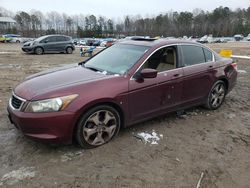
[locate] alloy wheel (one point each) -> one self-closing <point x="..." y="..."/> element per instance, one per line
<point x="217" y="95"/>
<point x="99" y="127"/>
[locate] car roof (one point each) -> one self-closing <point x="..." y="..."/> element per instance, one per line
<point x="157" y="42"/>
<point x="45" y="36"/>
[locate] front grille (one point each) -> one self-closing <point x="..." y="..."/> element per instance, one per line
<point x="15" y="102"/>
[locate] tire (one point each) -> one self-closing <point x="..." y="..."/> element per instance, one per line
<point x="38" y="50"/>
<point x="92" y="130"/>
<point x="216" y="95"/>
<point x="69" y="50"/>
<point x="17" y="41"/>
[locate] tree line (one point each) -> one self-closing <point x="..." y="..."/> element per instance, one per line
<point x="222" y="21"/>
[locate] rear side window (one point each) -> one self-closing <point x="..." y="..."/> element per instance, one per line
<point x="49" y="39"/>
<point x="62" y="38"/>
<point x="208" y="55"/>
<point x="192" y="55"/>
<point x="67" y="38"/>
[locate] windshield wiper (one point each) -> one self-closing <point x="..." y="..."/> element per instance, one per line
<point x="93" y="69"/>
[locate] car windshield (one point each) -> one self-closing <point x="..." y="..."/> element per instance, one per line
<point x="40" y="38"/>
<point x="117" y="59"/>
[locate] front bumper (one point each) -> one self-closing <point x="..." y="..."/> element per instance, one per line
<point x="53" y="127"/>
<point x="28" y="49"/>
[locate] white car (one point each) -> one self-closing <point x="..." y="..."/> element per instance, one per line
<point x="248" y="37"/>
<point x="82" y="42"/>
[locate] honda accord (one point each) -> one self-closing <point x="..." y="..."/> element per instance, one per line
<point x="127" y="83"/>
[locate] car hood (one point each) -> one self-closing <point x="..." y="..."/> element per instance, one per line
<point x="55" y="79"/>
<point x="28" y="43"/>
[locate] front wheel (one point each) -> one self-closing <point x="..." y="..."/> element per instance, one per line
<point x="98" y="126"/>
<point x="216" y="95"/>
<point x="39" y="51"/>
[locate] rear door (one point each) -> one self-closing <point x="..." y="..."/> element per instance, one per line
<point x="61" y="43"/>
<point x="198" y="67"/>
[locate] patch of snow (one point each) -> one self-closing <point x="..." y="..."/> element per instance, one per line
<point x="70" y="155"/>
<point x="242" y="71"/>
<point x="8" y="52"/>
<point x="151" y="138"/>
<point x="15" y="176"/>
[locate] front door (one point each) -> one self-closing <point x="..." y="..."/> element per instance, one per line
<point x="153" y="96"/>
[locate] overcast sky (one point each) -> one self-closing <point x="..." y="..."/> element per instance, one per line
<point x="119" y="8"/>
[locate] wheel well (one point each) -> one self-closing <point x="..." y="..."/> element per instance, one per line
<point x="69" y="47"/>
<point x="39" y="47"/>
<point x="226" y="82"/>
<point x="115" y="106"/>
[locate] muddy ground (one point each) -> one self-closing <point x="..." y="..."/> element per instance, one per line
<point x="212" y="144"/>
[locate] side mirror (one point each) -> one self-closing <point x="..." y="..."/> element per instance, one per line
<point x="149" y="73"/>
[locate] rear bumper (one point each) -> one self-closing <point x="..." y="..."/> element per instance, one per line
<point x="55" y="127"/>
<point x="232" y="80"/>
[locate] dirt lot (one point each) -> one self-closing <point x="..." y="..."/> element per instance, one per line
<point x="213" y="143"/>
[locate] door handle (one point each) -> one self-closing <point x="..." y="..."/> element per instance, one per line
<point x="177" y="75"/>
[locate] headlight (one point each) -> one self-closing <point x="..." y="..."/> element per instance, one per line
<point x="50" y="105"/>
<point x="34" y="43"/>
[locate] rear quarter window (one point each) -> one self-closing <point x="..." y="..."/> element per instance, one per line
<point x="192" y="55"/>
<point x="208" y="55"/>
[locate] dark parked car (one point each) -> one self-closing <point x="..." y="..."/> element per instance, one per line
<point x="127" y="83"/>
<point x="50" y="44"/>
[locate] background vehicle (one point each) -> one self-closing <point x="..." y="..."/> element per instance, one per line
<point x="50" y="44"/>
<point x="14" y="37"/>
<point x="96" y="43"/>
<point x="238" y="37"/>
<point x="4" y="38"/>
<point x="143" y="78"/>
<point x="248" y="37"/>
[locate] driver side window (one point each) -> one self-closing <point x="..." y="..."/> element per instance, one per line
<point x="162" y="60"/>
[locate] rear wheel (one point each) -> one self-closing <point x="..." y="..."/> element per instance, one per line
<point x="39" y="51"/>
<point x="97" y="126"/>
<point x="216" y="96"/>
<point x="69" y="50"/>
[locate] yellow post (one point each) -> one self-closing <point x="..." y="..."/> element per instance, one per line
<point x="226" y="53"/>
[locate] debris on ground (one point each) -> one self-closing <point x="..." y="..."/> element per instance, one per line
<point x="70" y="155"/>
<point x="151" y="138"/>
<point x="15" y="176"/>
<point x="199" y="182"/>
<point x="177" y="159"/>
<point x="230" y="116"/>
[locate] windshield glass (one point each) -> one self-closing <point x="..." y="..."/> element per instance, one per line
<point x="117" y="59"/>
<point x="40" y="38"/>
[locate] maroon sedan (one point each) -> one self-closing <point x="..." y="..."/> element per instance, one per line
<point x="129" y="82"/>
